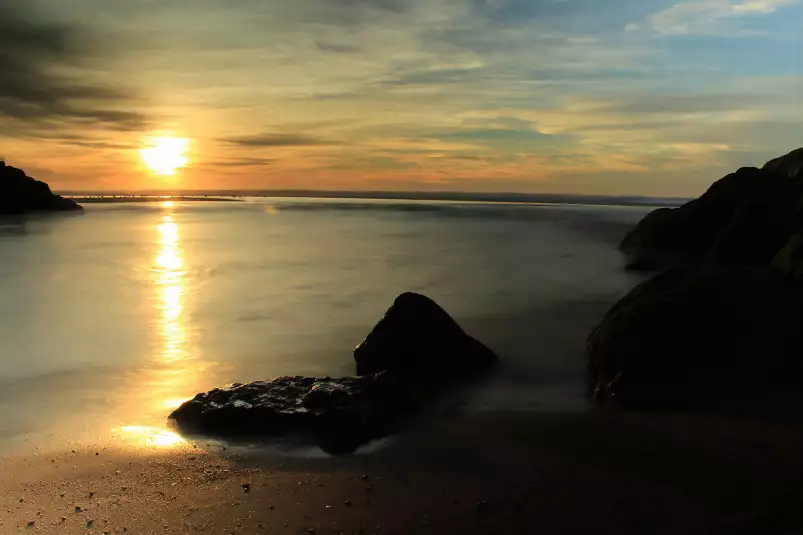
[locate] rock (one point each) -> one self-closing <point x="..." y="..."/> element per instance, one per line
<point x="698" y="336"/>
<point x="20" y="194"/>
<point x="409" y="358"/>
<point x="416" y="339"/>
<point x="341" y="413"/>
<point x="790" y="258"/>
<point x="742" y="219"/>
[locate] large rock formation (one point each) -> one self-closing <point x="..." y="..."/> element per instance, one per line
<point x="411" y="356"/>
<point x="698" y="337"/>
<point x="20" y="193"/>
<point x="743" y="219"/>
<point x="339" y="413"/>
<point x="726" y="326"/>
<point x="417" y="338"/>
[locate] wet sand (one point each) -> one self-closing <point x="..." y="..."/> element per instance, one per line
<point x="569" y="473"/>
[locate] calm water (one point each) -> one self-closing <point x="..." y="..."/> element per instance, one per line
<point x="108" y="320"/>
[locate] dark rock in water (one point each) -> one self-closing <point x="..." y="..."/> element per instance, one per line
<point x="20" y="193"/>
<point x="418" y="340"/>
<point x="341" y="413"/>
<point x="699" y="336"/>
<point x="743" y="219"/>
<point x="409" y="358"/>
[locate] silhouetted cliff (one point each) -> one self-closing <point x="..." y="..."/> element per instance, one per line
<point x="20" y="193"/>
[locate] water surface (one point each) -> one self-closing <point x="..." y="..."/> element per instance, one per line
<point x="108" y="320"/>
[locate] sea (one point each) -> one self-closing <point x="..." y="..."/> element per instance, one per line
<point x="111" y="318"/>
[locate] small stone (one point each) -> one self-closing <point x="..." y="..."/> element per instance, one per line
<point x="31" y="524"/>
<point x="89" y="524"/>
<point x="91" y="494"/>
<point x="78" y="509"/>
<point x="22" y="500"/>
<point x="97" y="453"/>
<point x="328" y="507"/>
<point x="271" y="507"/>
<point x="364" y="477"/>
<point x="246" y="487"/>
<point x="311" y="530"/>
<point x="64" y="519"/>
<point x="348" y="503"/>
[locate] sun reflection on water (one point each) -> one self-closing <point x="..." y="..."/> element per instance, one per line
<point x="151" y="436"/>
<point x="171" y="272"/>
<point x="172" y="372"/>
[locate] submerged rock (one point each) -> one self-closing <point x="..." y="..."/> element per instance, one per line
<point x="411" y="356"/>
<point x="20" y="193"/>
<point x="418" y="340"/>
<point x="742" y="219"/>
<point x="341" y="412"/>
<point x="698" y="336"/>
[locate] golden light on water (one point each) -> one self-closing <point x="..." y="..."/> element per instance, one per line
<point x="150" y="436"/>
<point x="168" y="378"/>
<point x="169" y="266"/>
<point x="165" y="155"/>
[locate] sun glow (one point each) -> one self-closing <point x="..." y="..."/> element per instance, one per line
<point x="165" y="155"/>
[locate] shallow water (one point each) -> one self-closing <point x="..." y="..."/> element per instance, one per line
<point x="108" y="320"/>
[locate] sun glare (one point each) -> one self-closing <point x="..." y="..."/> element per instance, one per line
<point x="165" y="155"/>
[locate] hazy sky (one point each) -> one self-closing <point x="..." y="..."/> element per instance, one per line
<point x="614" y="97"/>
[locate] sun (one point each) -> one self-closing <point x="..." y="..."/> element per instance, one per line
<point x="165" y="155"/>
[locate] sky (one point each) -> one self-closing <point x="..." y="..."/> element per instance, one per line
<point x="616" y="97"/>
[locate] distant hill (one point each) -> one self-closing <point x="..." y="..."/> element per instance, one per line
<point x="20" y="194"/>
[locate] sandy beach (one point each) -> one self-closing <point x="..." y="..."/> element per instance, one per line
<point x="501" y="474"/>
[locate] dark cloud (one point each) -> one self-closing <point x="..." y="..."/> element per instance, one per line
<point x="337" y="48"/>
<point x="274" y="140"/>
<point x="242" y="162"/>
<point x="32" y="50"/>
<point x="683" y="103"/>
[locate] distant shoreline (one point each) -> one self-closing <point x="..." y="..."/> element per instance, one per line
<point x="513" y="198"/>
<point x="104" y="199"/>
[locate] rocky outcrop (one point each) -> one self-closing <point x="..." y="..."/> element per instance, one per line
<point x="417" y="338"/>
<point x="410" y="357"/>
<point x="725" y="327"/>
<point x="694" y="337"/>
<point x="20" y="194"/>
<point x="339" y="413"/>
<point x="790" y="258"/>
<point x="744" y="219"/>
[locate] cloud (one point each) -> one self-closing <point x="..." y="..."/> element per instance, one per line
<point x="274" y="140"/>
<point x="707" y="17"/>
<point x="241" y="162"/>
<point x="40" y="75"/>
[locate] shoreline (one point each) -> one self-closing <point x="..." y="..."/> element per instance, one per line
<point x="498" y="473"/>
<point x="100" y="199"/>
